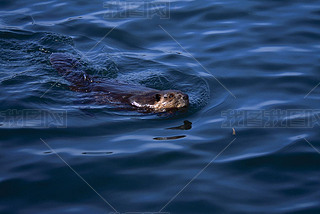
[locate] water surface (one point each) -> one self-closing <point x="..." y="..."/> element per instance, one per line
<point x="231" y="57"/>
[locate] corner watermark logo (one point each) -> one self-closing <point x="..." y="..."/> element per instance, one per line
<point x="274" y="118"/>
<point x="136" y="9"/>
<point x="33" y="118"/>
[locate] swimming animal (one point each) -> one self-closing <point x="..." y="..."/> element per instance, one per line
<point x="106" y="91"/>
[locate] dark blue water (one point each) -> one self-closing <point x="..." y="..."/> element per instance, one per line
<point x="248" y="65"/>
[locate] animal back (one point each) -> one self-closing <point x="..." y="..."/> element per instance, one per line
<point x="69" y="68"/>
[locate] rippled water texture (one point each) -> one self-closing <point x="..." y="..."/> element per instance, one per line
<point x="248" y="144"/>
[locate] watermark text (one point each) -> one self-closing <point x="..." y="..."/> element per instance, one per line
<point x="274" y="118"/>
<point x="136" y="9"/>
<point x="33" y="118"/>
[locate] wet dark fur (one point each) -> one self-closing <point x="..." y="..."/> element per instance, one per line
<point x="104" y="91"/>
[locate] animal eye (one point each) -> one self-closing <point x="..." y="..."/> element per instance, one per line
<point x="158" y="97"/>
<point x="171" y="95"/>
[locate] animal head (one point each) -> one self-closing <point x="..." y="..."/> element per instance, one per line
<point x="161" y="101"/>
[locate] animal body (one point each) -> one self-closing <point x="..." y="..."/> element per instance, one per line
<point x="105" y="91"/>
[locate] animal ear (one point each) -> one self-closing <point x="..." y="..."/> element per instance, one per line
<point x="158" y="97"/>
